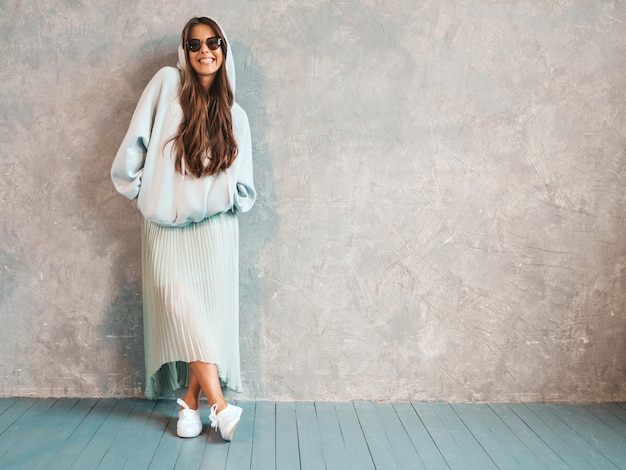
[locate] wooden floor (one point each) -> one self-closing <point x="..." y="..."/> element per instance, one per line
<point x="136" y="434"/>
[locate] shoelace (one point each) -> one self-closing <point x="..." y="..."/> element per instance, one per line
<point x="213" y="417"/>
<point x="188" y="414"/>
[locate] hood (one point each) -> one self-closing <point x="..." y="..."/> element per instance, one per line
<point x="230" y="63"/>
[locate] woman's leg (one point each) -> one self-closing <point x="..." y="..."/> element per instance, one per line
<point x="208" y="380"/>
<point x="192" y="396"/>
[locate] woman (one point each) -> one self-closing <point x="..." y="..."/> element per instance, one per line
<point x="187" y="159"/>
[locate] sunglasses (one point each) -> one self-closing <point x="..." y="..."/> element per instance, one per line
<point x="213" y="43"/>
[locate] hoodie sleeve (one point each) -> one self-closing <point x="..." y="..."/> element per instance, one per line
<point x="245" y="193"/>
<point x="127" y="169"/>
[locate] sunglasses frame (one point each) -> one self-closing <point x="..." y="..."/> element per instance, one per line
<point x="216" y="43"/>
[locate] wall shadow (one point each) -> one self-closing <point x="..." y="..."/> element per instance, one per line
<point x="113" y="222"/>
<point x="257" y="227"/>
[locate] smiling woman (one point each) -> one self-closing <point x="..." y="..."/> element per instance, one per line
<point x="205" y="53"/>
<point x="187" y="159"/>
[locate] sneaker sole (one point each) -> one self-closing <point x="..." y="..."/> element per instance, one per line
<point x="231" y="433"/>
<point x="182" y="434"/>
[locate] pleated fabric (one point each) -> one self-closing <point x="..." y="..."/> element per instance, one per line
<point x="190" y="301"/>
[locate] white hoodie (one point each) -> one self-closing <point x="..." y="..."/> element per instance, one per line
<point x="143" y="168"/>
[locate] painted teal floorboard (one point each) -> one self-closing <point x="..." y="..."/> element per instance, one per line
<point x="75" y="412"/>
<point x="63" y="418"/>
<point x="571" y="434"/>
<point x="168" y="447"/>
<point x="617" y="410"/>
<point x="82" y="434"/>
<point x="456" y="443"/>
<point x="309" y="439"/>
<point x="6" y="403"/>
<point x="425" y="447"/>
<point x="381" y="447"/>
<point x="595" y="432"/>
<point x="216" y="451"/>
<point x="333" y="444"/>
<point x="103" y="437"/>
<point x="57" y="418"/>
<point x="288" y="452"/>
<point x="23" y="430"/>
<point x="359" y="455"/>
<point x="376" y="441"/>
<point x="127" y="449"/>
<point x="240" y="451"/>
<point x="192" y="452"/>
<point x="144" y="431"/>
<point x="502" y="445"/>
<point x="529" y="439"/>
<point x="561" y="444"/>
<point x="13" y="413"/>
<point x="603" y="413"/>
<point x="264" y="441"/>
<point x="138" y="434"/>
<point x="400" y="443"/>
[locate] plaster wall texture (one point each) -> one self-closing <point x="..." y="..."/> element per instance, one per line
<point x="442" y="213"/>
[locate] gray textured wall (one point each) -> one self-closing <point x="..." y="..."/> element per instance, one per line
<point x="441" y="213"/>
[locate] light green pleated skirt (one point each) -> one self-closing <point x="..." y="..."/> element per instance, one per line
<point x="190" y="301"/>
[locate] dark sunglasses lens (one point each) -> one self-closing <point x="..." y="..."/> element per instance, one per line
<point x="213" y="43"/>
<point x="194" y="45"/>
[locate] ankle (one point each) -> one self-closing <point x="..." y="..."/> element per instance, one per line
<point x="191" y="402"/>
<point x="221" y="406"/>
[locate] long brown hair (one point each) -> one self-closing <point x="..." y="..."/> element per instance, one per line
<point x="207" y="125"/>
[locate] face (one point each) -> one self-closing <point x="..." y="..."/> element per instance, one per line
<point x="205" y="62"/>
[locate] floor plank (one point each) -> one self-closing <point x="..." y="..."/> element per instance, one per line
<point x="138" y="434"/>
<point x="13" y="413"/>
<point x="597" y="443"/>
<point x="21" y="430"/>
<point x="333" y="444"/>
<point x="309" y="438"/>
<point x="61" y="422"/>
<point x="144" y="431"/>
<point x="502" y="445"/>
<point x="529" y="439"/>
<point x="558" y="437"/>
<point x="358" y="452"/>
<point x="193" y="452"/>
<point x="50" y="431"/>
<point x="240" y="452"/>
<point x="168" y="448"/>
<point x="617" y="409"/>
<point x="598" y="434"/>
<point x="388" y="442"/>
<point x="605" y="414"/>
<point x="264" y="443"/>
<point x="104" y="435"/>
<point x="456" y="443"/>
<point x="79" y="437"/>
<point x="129" y="445"/>
<point x="6" y="403"/>
<point x="131" y="440"/>
<point x="377" y="442"/>
<point x="288" y="452"/>
<point x="216" y="451"/>
<point x="426" y="448"/>
<point x="400" y="443"/>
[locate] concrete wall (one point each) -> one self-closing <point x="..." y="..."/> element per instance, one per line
<point x="442" y="196"/>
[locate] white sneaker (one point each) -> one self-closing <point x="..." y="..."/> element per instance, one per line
<point x="189" y="422"/>
<point x="226" y="420"/>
